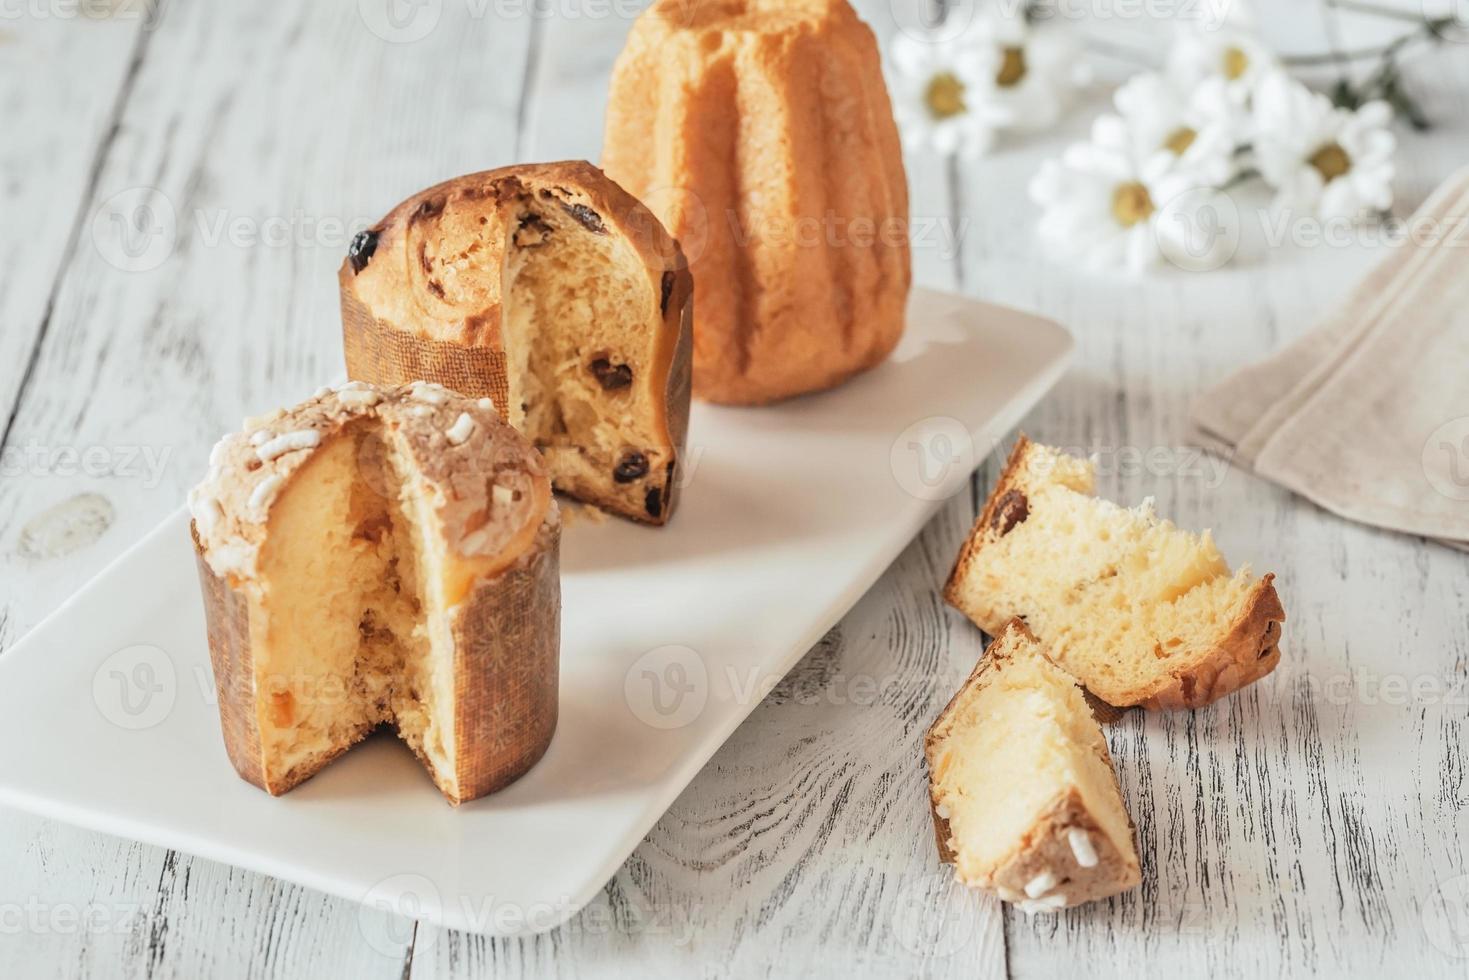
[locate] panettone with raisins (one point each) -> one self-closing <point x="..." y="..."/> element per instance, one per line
<point x="552" y="291"/>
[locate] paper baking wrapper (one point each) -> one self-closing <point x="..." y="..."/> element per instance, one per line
<point x="507" y="641"/>
<point x="384" y="355"/>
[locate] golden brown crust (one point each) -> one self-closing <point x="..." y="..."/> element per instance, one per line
<point x="1248" y="651"/>
<point x="400" y="324"/>
<point x="678" y="369"/>
<point x="1047" y="849"/>
<point x="804" y="266"/>
<point x="976" y="531"/>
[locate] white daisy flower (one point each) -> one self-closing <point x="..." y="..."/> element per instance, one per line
<point x="1103" y="201"/>
<point x="1197" y="127"/>
<point x="1230" y="51"/>
<point x="1330" y="162"/>
<point x="1036" y="69"/>
<point x="944" y="95"/>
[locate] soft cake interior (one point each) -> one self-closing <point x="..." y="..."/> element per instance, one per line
<point x="1118" y="595"/>
<point x="1008" y="749"/>
<point x="350" y="627"/>
<point x="579" y="345"/>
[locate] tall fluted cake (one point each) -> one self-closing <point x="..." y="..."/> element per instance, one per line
<point x="550" y="290"/>
<point x="761" y="133"/>
<point x="381" y="557"/>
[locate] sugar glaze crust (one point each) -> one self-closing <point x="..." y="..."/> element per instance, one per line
<point x="230" y="510"/>
<point x="1248" y="650"/>
<point x="506" y="629"/>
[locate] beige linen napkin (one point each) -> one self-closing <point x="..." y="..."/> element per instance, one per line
<point x="1368" y="414"/>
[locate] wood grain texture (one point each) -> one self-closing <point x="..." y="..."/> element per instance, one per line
<point x="55" y="134"/>
<point x="1305" y="826"/>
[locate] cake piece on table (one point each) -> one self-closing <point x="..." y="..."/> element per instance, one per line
<point x="1025" y="801"/>
<point x="1138" y="611"/>
<point x="761" y="133"/>
<point x="381" y="557"/>
<point x="549" y="289"/>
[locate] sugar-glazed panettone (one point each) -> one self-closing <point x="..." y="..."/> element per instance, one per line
<point x="381" y="557"/>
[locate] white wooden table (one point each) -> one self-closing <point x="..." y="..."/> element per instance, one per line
<point x="1313" y="824"/>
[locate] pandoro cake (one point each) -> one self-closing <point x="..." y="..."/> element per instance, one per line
<point x="761" y="134"/>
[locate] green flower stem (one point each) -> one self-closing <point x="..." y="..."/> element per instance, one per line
<point x="1375" y="10"/>
<point x="1426" y="33"/>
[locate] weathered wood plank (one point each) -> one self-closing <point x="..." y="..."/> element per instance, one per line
<point x="1305" y="826"/>
<point x="258" y="136"/>
<point x="55" y="134"/>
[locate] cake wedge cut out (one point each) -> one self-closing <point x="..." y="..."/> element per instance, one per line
<point x="1140" y="612"/>
<point x="1025" y="801"/>
<point x="375" y="558"/>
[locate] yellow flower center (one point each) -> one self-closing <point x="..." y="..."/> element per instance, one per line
<point x="1012" y="68"/>
<point x="1131" y="204"/>
<point x="1331" y="161"/>
<point x="945" y="95"/>
<point x="1236" y="63"/>
<point x="1180" y="139"/>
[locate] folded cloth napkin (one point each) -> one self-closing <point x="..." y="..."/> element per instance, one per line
<point x="1368" y="414"/>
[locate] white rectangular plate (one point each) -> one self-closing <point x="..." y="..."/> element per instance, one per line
<point x="670" y="638"/>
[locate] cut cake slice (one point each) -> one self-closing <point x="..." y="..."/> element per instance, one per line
<point x="1138" y="611"/>
<point x="1025" y="801"/>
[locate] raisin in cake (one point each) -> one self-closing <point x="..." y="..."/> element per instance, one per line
<point x="1138" y="611"/>
<point x="1025" y="801"/>
<point x="381" y="557"/>
<point x="550" y="290"/>
<point x="761" y="133"/>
